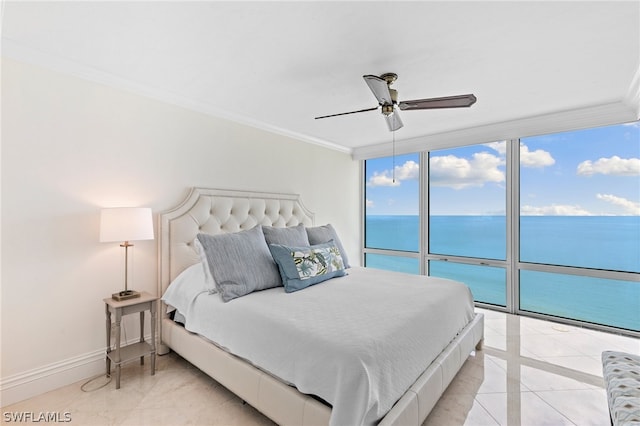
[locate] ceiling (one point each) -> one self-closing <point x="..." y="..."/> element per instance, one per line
<point x="277" y="65"/>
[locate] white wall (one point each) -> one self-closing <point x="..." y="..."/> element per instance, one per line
<point x="70" y="147"/>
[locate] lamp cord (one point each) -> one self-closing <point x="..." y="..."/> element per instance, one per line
<point x="83" y="387"/>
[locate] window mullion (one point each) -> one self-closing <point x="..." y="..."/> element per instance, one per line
<point x="513" y="224"/>
<point x="424" y="212"/>
<point x="363" y="209"/>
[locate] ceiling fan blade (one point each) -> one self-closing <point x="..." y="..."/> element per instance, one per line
<point x="393" y="121"/>
<point x="379" y="88"/>
<point x="459" y="101"/>
<point x="350" y="112"/>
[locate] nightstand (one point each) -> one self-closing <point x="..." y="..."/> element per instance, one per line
<point x="120" y="355"/>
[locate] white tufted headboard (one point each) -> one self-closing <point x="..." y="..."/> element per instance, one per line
<point x="215" y="211"/>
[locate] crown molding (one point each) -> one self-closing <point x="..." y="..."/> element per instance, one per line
<point x="18" y="52"/>
<point x="633" y="94"/>
<point x="624" y="110"/>
<point x="618" y="112"/>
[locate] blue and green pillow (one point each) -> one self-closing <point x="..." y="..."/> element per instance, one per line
<point x="301" y="267"/>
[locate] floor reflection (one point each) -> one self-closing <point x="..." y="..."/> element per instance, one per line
<point x="531" y="372"/>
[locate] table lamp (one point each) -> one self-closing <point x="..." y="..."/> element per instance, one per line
<point x="126" y="224"/>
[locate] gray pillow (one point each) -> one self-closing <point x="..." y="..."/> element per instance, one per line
<point x="292" y="236"/>
<point x="210" y="284"/>
<point x="240" y="262"/>
<point x="324" y="234"/>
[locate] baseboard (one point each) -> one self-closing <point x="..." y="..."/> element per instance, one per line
<point x="53" y="376"/>
<point x="32" y="383"/>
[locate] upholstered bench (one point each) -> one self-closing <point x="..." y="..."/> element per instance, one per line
<point x="622" y="379"/>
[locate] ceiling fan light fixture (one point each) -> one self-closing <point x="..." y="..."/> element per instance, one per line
<point x="393" y="122"/>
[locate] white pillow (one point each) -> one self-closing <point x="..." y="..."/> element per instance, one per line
<point x="184" y="290"/>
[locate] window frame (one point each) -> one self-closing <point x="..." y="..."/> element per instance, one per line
<point x="363" y="226"/>
<point x="512" y="263"/>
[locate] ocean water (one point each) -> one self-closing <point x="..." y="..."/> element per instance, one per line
<point x="600" y="242"/>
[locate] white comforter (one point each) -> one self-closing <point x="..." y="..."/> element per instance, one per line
<point x="358" y="342"/>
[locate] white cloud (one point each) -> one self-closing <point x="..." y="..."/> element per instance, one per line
<point x="554" y="210"/>
<point x="610" y="166"/>
<point x="458" y="173"/>
<point x="500" y="147"/>
<point x="410" y="170"/>
<point x="382" y="179"/>
<point x="369" y="203"/>
<point x="537" y="158"/>
<point x="631" y="207"/>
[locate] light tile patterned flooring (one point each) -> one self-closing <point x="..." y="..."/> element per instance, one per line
<point x="530" y="372"/>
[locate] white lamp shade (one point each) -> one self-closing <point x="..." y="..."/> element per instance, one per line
<point x="126" y="224"/>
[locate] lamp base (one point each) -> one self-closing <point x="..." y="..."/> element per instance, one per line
<point x="125" y="295"/>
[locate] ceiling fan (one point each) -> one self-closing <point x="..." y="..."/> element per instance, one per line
<point x="388" y="101"/>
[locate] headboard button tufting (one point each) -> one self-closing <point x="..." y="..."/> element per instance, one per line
<point x="213" y="211"/>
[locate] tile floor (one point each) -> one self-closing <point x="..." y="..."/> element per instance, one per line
<point x="530" y="372"/>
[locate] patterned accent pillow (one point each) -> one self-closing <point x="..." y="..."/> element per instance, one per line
<point x="621" y="373"/>
<point x="301" y="267"/>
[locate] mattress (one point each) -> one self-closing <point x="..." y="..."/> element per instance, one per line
<point x="357" y="342"/>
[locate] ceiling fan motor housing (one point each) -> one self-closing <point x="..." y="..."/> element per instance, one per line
<point x="388" y="109"/>
<point x="389" y="77"/>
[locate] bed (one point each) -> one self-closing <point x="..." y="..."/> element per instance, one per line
<point x="392" y="369"/>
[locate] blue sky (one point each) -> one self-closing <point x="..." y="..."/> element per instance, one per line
<point x="587" y="172"/>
